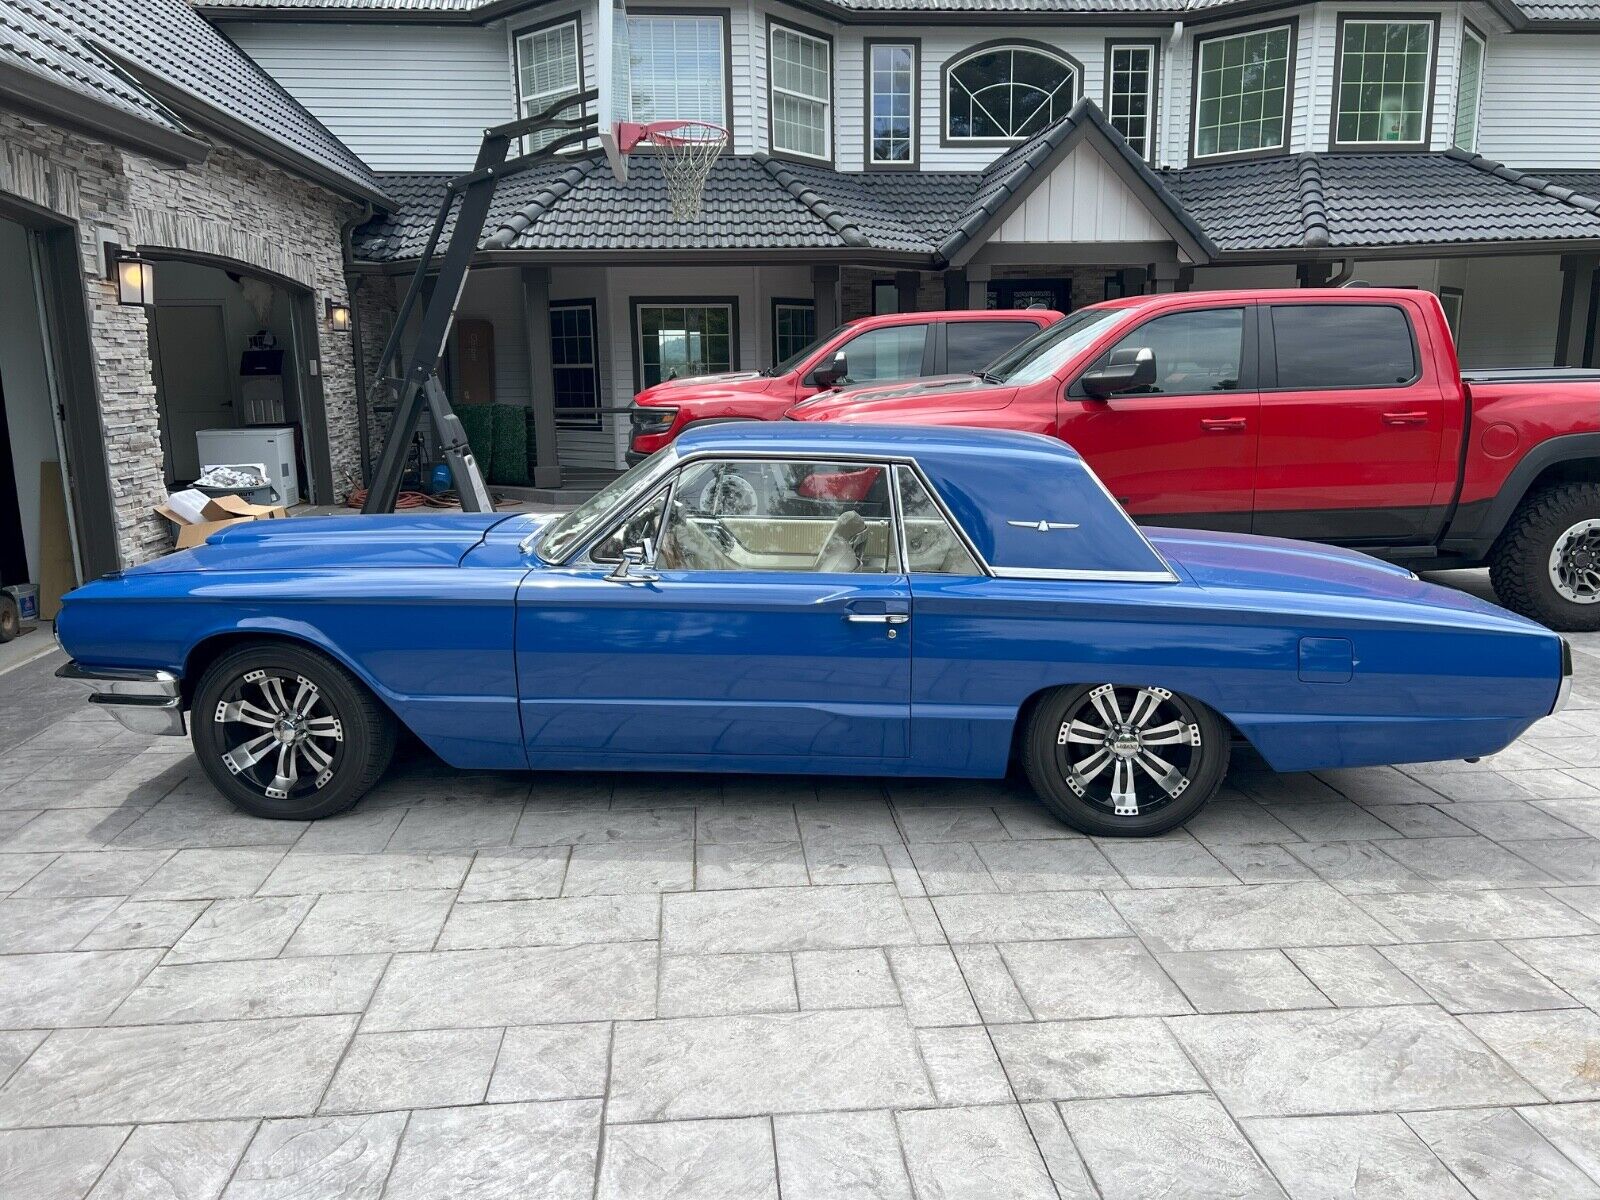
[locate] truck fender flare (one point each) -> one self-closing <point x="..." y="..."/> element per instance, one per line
<point x="1569" y="447"/>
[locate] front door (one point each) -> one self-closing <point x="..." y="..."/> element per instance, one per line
<point x="194" y="383"/>
<point x="771" y="629"/>
<point x="1183" y="450"/>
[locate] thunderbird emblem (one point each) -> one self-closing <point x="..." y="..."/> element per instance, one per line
<point x="1043" y="526"/>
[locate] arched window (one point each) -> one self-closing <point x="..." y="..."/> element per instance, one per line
<point x="1006" y="93"/>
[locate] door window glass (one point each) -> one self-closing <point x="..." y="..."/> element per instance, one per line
<point x="1196" y="351"/>
<point x="973" y="345"/>
<point x="761" y="515"/>
<point x="932" y="547"/>
<point x="1343" y="346"/>
<point x="892" y="353"/>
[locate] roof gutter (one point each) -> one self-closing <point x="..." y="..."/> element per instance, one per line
<point x="44" y="99"/>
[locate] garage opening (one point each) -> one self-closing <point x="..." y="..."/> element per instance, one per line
<point x="233" y="354"/>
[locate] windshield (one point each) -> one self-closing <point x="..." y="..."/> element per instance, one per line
<point x="576" y="527"/>
<point x="1042" y="355"/>
<point x="799" y="356"/>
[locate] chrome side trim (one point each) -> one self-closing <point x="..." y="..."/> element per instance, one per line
<point x="1564" y="691"/>
<point x="146" y="701"/>
<point x="1095" y="576"/>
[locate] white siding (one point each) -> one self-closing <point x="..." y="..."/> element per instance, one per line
<point x="403" y="97"/>
<point x="1509" y="311"/>
<point x="1541" y="100"/>
<point x="1082" y="200"/>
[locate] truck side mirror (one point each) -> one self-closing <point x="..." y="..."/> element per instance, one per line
<point x="834" y="373"/>
<point x="1126" y="371"/>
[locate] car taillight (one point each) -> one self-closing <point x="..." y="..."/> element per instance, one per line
<point x="652" y="420"/>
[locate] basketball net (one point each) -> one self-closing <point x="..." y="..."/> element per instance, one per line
<point x="687" y="151"/>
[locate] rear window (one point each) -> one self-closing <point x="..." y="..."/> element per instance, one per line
<point x="972" y="345"/>
<point x="1343" y="346"/>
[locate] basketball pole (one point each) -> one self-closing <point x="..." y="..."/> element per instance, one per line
<point x="420" y="385"/>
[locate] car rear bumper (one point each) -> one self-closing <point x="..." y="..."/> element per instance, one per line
<point x="146" y="701"/>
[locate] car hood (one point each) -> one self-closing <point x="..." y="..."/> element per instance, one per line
<point x="1247" y="562"/>
<point x="937" y="393"/>
<point x="396" y="540"/>
<point x="723" y="382"/>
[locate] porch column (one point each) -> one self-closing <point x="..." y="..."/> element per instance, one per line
<point x="1163" y="277"/>
<point x="1574" y="325"/>
<point x="906" y="284"/>
<point x="541" y="374"/>
<point x="978" y="286"/>
<point x="825" y="294"/>
<point x="1313" y="274"/>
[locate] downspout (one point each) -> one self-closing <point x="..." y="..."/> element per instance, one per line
<point x="1166" y="91"/>
<point x="351" y="290"/>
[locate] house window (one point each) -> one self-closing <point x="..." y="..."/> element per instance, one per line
<point x="679" y="68"/>
<point x="801" y="68"/>
<point x="1469" y="90"/>
<point x="885" y="297"/>
<point x="575" y="364"/>
<point x="892" y="113"/>
<point x="1383" y="82"/>
<point x="1006" y="93"/>
<point x="547" y="68"/>
<point x="1131" y="92"/>
<point x="1242" y="92"/>
<point x="794" y="327"/>
<point x="676" y="340"/>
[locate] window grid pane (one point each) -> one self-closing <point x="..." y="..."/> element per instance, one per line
<point x="1383" y="81"/>
<point x="794" y="327"/>
<point x="1132" y="76"/>
<point x="1469" y="92"/>
<point x="576" y="371"/>
<point x="1243" y="92"/>
<point x="1007" y="94"/>
<point x="677" y="69"/>
<point x="893" y="92"/>
<point x="678" y="340"/>
<point x="547" y="67"/>
<point x="801" y="93"/>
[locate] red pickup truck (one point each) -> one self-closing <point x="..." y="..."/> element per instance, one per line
<point x="1336" y="415"/>
<point x="892" y="346"/>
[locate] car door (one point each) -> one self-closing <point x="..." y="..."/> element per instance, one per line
<point x="770" y="628"/>
<point x="1351" y="425"/>
<point x="1183" y="450"/>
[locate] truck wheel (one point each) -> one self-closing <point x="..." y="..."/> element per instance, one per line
<point x="1118" y="761"/>
<point x="287" y="733"/>
<point x="1546" y="564"/>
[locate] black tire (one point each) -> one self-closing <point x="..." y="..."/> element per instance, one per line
<point x="1198" y="756"/>
<point x="344" y="734"/>
<point x="10" y="618"/>
<point x="1519" y="565"/>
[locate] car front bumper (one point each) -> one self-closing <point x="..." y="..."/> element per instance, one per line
<point x="145" y="701"/>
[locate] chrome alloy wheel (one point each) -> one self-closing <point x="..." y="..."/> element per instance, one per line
<point x="1119" y="739"/>
<point x="291" y="747"/>
<point x="1575" y="563"/>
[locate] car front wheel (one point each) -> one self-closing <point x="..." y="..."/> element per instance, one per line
<point x="287" y="733"/>
<point x="1121" y="761"/>
<point x="1546" y="564"/>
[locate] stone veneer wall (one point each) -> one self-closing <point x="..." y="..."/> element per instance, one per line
<point x="233" y="206"/>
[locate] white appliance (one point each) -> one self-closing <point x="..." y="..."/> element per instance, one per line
<point x="272" y="445"/>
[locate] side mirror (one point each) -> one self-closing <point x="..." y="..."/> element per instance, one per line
<point x="1126" y="371"/>
<point x="835" y="373"/>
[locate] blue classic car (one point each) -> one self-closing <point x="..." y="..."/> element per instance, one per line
<point x="825" y="599"/>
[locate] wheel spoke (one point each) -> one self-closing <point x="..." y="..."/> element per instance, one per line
<point x="1093" y="765"/>
<point x="1082" y="733"/>
<point x="272" y="689"/>
<point x="1144" y="707"/>
<point x="287" y="773"/>
<point x="1104" y="700"/>
<point x="329" y="727"/>
<point x="242" y="712"/>
<point x="1171" y="780"/>
<point x="304" y="697"/>
<point x="1124" y="799"/>
<point x="1173" y="733"/>
<point x="242" y="758"/>
<point x="318" y="758"/>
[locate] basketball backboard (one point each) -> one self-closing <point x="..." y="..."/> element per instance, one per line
<point x="614" y="65"/>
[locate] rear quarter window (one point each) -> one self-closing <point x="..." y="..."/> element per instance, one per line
<point x="1322" y="346"/>
<point x="972" y="345"/>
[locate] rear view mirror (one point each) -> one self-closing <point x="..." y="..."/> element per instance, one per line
<point x="834" y="373"/>
<point x="1126" y="371"/>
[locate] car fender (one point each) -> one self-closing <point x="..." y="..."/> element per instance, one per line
<point x="1470" y="535"/>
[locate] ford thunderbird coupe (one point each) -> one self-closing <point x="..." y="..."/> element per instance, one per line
<point x="858" y="601"/>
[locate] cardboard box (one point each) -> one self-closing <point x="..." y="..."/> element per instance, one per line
<point x="197" y="516"/>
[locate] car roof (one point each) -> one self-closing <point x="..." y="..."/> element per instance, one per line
<point x="1048" y="316"/>
<point x="887" y="441"/>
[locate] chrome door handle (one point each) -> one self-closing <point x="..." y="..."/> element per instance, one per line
<point x="1405" y="418"/>
<point x="877" y="618"/>
<point x="1221" y="424"/>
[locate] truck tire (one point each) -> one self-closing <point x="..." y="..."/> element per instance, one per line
<point x="1546" y="564"/>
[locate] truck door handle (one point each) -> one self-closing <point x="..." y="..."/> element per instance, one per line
<point x="1405" y="418"/>
<point x="1221" y="424"/>
<point x="877" y="618"/>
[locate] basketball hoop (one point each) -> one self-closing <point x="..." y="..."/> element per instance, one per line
<point x="687" y="150"/>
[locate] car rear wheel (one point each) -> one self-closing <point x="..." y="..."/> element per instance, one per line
<point x="287" y="733"/>
<point x="1546" y="564"/>
<point x="1120" y="761"/>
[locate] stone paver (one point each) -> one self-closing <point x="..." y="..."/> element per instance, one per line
<point x="1377" y="982"/>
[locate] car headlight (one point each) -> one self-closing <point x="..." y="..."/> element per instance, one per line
<point x="651" y="420"/>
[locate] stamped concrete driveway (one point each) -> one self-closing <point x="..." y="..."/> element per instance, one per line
<point x="1372" y="983"/>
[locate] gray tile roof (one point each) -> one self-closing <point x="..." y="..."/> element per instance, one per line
<point x="160" y="61"/>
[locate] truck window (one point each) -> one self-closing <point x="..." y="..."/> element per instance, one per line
<point x="1196" y="351"/>
<point x="1323" y="346"/>
<point x="970" y="346"/>
<point x="893" y="352"/>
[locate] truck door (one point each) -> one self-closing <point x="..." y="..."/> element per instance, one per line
<point x="1183" y="450"/>
<point x="1351" y="424"/>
